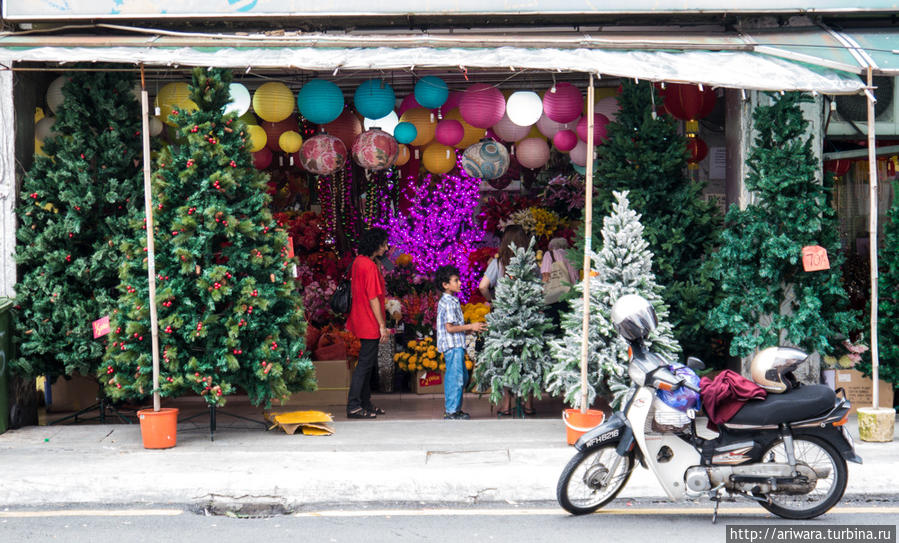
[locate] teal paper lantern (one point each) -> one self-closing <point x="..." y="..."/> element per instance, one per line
<point x="405" y="132"/>
<point x="320" y="101"/>
<point x="488" y="159"/>
<point x="374" y="98"/>
<point x="431" y="92"/>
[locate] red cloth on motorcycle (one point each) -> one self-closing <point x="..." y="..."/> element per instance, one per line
<point x="723" y="397"/>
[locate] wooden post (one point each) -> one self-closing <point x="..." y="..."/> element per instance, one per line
<point x="872" y="233"/>
<point x="588" y="229"/>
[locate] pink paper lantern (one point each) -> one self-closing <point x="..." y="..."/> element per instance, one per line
<point x="408" y="102"/>
<point x="375" y="150"/>
<point x="322" y="154"/>
<point x="599" y="128"/>
<point x="506" y="130"/>
<point x="549" y="127"/>
<point x="578" y="154"/>
<point x="482" y="106"/>
<point x="532" y="152"/>
<point x="449" y="132"/>
<point x="452" y="102"/>
<point x="262" y="159"/>
<point x="565" y="140"/>
<point x="608" y="107"/>
<point x="564" y="105"/>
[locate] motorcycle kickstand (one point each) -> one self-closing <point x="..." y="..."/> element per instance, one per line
<point x="715" y="496"/>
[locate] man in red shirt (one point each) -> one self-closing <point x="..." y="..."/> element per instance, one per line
<point x="367" y="321"/>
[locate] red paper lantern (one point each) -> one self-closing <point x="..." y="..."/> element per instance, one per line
<point x="345" y="127"/>
<point x="262" y="159"/>
<point x="599" y="128"/>
<point x="698" y="151"/>
<point x="838" y="168"/>
<point x="273" y="131"/>
<point x="687" y="102"/>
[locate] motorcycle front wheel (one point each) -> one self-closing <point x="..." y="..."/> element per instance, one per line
<point x="588" y="481"/>
<point x="827" y="464"/>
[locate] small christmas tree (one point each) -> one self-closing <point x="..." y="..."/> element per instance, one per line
<point x="768" y="298"/>
<point x="228" y="312"/>
<point x="515" y="354"/>
<point x="623" y="266"/>
<point x="74" y="201"/>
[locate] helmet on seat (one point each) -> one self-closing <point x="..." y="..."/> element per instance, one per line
<point x="772" y="368"/>
<point x="634" y="317"/>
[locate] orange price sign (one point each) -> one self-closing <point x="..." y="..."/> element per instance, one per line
<point x="101" y="327"/>
<point x="289" y="246"/>
<point x="814" y="258"/>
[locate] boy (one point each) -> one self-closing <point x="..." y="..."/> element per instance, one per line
<point x="451" y="330"/>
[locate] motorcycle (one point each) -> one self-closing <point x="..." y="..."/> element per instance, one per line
<point x="787" y="452"/>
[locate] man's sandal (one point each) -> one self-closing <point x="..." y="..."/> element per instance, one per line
<point x="361" y="414"/>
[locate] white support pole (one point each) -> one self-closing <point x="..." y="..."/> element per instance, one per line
<point x="151" y="251"/>
<point x="872" y="235"/>
<point x="588" y="229"/>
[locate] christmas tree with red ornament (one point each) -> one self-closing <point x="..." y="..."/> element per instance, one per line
<point x="229" y="315"/>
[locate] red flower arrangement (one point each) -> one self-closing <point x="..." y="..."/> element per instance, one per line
<point x="500" y="207"/>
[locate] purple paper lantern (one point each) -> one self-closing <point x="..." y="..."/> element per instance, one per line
<point x="482" y="106"/>
<point x="565" y="104"/>
<point x="506" y="130"/>
<point x="565" y="140"/>
<point x="549" y="127"/>
<point x="449" y="132"/>
<point x="408" y="102"/>
<point x="599" y="128"/>
<point x="452" y="102"/>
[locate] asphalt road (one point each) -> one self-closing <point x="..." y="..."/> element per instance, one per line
<point x="622" y="521"/>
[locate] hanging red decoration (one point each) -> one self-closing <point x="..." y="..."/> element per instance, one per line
<point x="345" y="127"/>
<point x="838" y="168"/>
<point x="698" y="151"/>
<point x="273" y="131"/>
<point x="687" y="102"/>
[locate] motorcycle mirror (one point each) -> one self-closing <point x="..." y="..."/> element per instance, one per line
<point x="695" y="364"/>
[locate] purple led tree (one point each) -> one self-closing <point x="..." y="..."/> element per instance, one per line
<point x="439" y="227"/>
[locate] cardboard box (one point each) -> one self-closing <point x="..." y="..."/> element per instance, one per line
<point x="333" y="378"/>
<point x="73" y="394"/>
<point x="428" y="382"/>
<point x="859" y="389"/>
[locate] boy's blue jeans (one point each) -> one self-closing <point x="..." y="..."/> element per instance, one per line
<point x="454" y="379"/>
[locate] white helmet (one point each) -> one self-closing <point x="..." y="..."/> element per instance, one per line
<point x="634" y="317"/>
<point x="772" y="368"/>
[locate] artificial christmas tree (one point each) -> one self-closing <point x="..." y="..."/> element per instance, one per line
<point x="74" y="201"/>
<point x="228" y="310"/>
<point x="768" y="299"/>
<point x="645" y="155"/>
<point x="515" y="354"/>
<point x="623" y="266"/>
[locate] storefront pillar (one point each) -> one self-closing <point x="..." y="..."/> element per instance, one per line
<point x="7" y="185"/>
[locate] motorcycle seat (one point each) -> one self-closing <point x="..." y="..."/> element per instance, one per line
<point x="802" y="403"/>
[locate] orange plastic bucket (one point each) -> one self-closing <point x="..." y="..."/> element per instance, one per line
<point x="577" y="423"/>
<point x="158" y="429"/>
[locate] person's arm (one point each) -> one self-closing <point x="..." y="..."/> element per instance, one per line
<point x="379" y="316"/>
<point x="473" y="327"/>
<point x="484" y="287"/>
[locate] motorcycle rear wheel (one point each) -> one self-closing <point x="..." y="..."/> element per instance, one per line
<point x="818" y="455"/>
<point x="580" y="490"/>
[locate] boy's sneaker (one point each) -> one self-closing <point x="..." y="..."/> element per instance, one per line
<point x="458" y="415"/>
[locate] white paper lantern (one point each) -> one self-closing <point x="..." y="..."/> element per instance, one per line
<point x="54" y="93"/>
<point x="240" y="99"/>
<point x="386" y="123"/>
<point x="524" y="107"/>
<point x="155" y="126"/>
<point x="44" y="128"/>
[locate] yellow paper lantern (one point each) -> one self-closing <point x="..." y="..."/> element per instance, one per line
<point x="290" y="141"/>
<point x="249" y="118"/>
<point x="403" y="156"/>
<point x="535" y="133"/>
<point x="438" y="159"/>
<point x="472" y="134"/>
<point x="173" y="95"/>
<point x="425" y="123"/>
<point x="273" y="101"/>
<point x="258" y="137"/>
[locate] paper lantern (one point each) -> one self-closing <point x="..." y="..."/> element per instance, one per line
<point x="583" y="169"/>
<point x="431" y="92"/>
<point x="438" y="159"/>
<point x="54" y="93"/>
<point x="698" y="151"/>
<point x="507" y="130"/>
<point x="320" y="101"/>
<point x="374" y="98"/>
<point x="608" y="107"/>
<point x="482" y="105"/>
<point x="405" y="132"/>
<point x="323" y="154"/>
<point x="44" y="128"/>
<point x="402" y="156"/>
<point x="346" y="127"/>
<point x="425" y="125"/>
<point x="578" y="154"/>
<point x="240" y="100"/>
<point x="688" y="103"/>
<point x="532" y="152"/>
<point x="375" y="150"/>
<point x="155" y="126"/>
<point x="472" y="134"/>
<point x="407" y="104"/>
<point x="549" y="127"/>
<point x="449" y="132"/>
<point x="565" y="104"/>
<point x="599" y="128"/>
<point x="387" y="123"/>
<point x="290" y="141"/>
<point x="565" y="140"/>
<point x="262" y="159"/>
<point x="524" y="108"/>
<point x="838" y="168"/>
<point x="249" y="118"/>
<point x="486" y="160"/>
<point x="171" y="96"/>
<point x="258" y="137"/>
<point x="273" y="131"/>
<point x="452" y="102"/>
<point x="273" y="101"/>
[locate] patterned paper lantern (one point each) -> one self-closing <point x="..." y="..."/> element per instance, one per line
<point x="438" y="159"/>
<point x="258" y="137"/>
<point x="273" y="101"/>
<point x="320" y="101"/>
<point x="240" y="100"/>
<point x="431" y="92"/>
<point x="387" y="123"/>
<point x="698" y="151"/>
<point x="375" y="150"/>
<point x="524" y="108"/>
<point x="402" y="156"/>
<point x="374" y="98"/>
<point x="425" y="124"/>
<point x="507" y="130"/>
<point x="482" y="105"/>
<point x="472" y="134"/>
<point x="532" y="152"/>
<point x="565" y="104"/>
<point x="346" y="127"/>
<point x="273" y="131"/>
<point x="322" y="154"/>
<point x="449" y="132"/>
<point x="578" y="154"/>
<point x="262" y="159"/>
<point x="599" y="128"/>
<point x="407" y="104"/>
<point x="171" y="96"/>
<point x="565" y="140"/>
<point x="486" y="160"/>
<point x="608" y="107"/>
<point x="54" y="93"/>
<point x="405" y="132"/>
<point x="290" y="141"/>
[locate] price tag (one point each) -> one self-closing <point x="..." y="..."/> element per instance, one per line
<point x="289" y="246"/>
<point x="101" y="327"/>
<point x="814" y="258"/>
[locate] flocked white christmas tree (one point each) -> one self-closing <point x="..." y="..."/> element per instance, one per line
<point x="623" y="266"/>
<point x="515" y="353"/>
